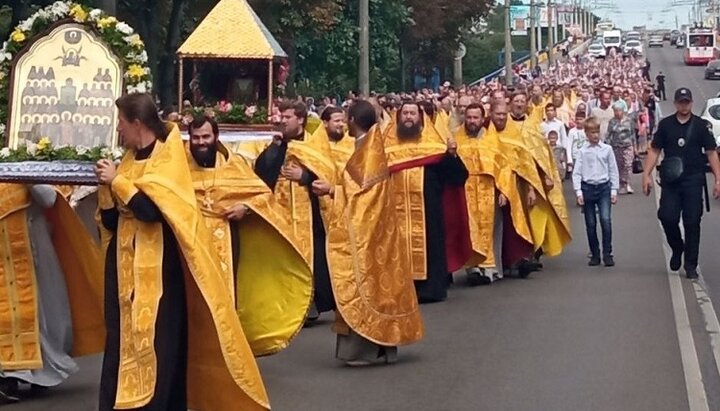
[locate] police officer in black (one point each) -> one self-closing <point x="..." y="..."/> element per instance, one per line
<point x="688" y="145"/>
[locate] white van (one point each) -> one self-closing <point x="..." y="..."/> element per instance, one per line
<point x="612" y="39"/>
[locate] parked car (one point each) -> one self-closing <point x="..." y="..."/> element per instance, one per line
<point x="667" y="37"/>
<point x="633" y="47"/>
<point x="711" y="113"/>
<point x="597" y="50"/>
<point x="680" y="42"/>
<point x="712" y="70"/>
<point x="655" y="41"/>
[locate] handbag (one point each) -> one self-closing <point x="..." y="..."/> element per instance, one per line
<point x="637" y="165"/>
<point x="672" y="168"/>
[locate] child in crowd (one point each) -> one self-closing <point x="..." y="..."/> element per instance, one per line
<point x="576" y="135"/>
<point x="596" y="181"/>
<point x="560" y="154"/>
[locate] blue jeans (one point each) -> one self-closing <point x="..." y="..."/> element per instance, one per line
<point x="598" y="196"/>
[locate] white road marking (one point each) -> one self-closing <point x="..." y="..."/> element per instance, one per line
<point x="697" y="398"/>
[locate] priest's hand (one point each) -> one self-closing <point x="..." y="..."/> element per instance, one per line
<point x="549" y="183"/>
<point x="452" y="147"/>
<point x="321" y="188"/>
<point x="105" y="171"/>
<point x="237" y="212"/>
<point x="292" y="172"/>
<point x="532" y="197"/>
<point x="502" y="200"/>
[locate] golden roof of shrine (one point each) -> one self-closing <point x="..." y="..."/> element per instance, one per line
<point x="232" y="30"/>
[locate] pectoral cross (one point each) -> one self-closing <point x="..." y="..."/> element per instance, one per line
<point x="208" y="202"/>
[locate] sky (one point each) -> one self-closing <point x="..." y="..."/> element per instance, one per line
<point x="636" y="13"/>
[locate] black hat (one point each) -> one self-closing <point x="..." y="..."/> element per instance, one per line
<point x="683" y="94"/>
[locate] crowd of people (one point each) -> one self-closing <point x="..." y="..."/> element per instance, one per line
<point x="211" y="258"/>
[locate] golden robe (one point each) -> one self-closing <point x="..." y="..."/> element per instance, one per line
<point x="315" y="155"/>
<point x="374" y="292"/>
<point x="549" y="219"/>
<point x="408" y="185"/>
<point x="270" y="267"/>
<point x="80" y="260"/>
<point x="219" y="358"/>
<point x="490" y="173"/>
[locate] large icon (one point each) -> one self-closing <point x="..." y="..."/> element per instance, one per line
<point x="64" y="88"/>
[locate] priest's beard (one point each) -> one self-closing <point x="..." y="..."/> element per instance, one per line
<point x="409" y="132"/>
<point x="472" y="130"/>
<point x="335" y="136"/>
<point x="204" y="158"/>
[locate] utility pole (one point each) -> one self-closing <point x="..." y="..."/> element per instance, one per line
<point x="364" y="72"/>
<point x="508" y="46"/>
<point x="533" y="35"/>
<point x="551" y="35"/>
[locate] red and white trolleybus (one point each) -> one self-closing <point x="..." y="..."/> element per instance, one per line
<point x="700" y="46"/>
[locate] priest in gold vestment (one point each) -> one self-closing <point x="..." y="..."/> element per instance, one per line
<point x="429" y="185"/>
<point x="490" y="178"/>
<point x="376" y="300"/>
<point x="266" y="273"/>
<point x="549" y="220"/>
<point x="300" y="171"/>
<point x="517" y="237"/>
<point x="50" y="290"/>
<point x="174" y="340"/>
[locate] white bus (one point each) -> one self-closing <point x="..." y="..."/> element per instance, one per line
<point x="700" y="47"/>
<point x="612" y="39"/>
<point x="604" y="26"/>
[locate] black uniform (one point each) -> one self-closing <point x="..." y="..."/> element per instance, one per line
<point x="660" y="87"/>
<point x="684" y="196"/>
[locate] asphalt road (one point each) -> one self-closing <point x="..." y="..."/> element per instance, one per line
<point x="633" y="337"/>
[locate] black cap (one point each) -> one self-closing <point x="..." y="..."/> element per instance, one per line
<point x="683" y="94"/>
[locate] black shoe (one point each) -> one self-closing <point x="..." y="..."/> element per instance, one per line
<point x="691" y="273"/>
<point x="676" y="260"/>
<point x="475" y="278"/>
<point x="609" y="261"/>
<point x="9" y="391"/>
<point x="594" y="261"/>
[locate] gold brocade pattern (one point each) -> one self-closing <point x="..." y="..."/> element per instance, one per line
<point x="374" y="292"/>
<point x="218" y="354"/>
<point x="408" y="187"/>
<point x="549" y="219"/>
<point x="19" y="332"/>
<point x="487" y="167"/>
<point x="271" y="268"/>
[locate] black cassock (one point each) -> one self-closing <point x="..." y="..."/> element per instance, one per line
<point x="267" y="167"/>
<point x="171" y="333"/>
<point x="450" y="171"/>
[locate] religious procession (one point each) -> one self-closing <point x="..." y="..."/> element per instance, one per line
<point x="183" y="247"/>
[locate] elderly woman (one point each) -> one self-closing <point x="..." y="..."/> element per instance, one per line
<point x="621" y="137"/>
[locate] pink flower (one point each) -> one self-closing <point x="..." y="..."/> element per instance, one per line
<point x="250" y="111"/>
<point x="224" y="106"/>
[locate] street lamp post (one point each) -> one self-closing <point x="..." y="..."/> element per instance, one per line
<point x="533" y="44"/>
<point x="364" y="72"/>
<point x="508" y="45"/>
<point x="551" y="34"/>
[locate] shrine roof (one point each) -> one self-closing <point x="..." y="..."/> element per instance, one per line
<point x="231" y="30"/>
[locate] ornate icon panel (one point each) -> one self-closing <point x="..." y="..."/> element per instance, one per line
<point x="64" y="88"/>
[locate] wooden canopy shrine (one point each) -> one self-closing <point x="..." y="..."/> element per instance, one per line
<point x="231" y="31"/>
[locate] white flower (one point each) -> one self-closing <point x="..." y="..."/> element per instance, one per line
<point x="32" y="148"/>
<point x="60" y="9"/>
<point x="5" y="152"/>
<point x="4" y="56"/>
<point x="81" y="150"/>
<point x="131" y="89"/>
<point x="138" y="88"/>
<point x="141" y="58"/>
<point x="27" y="24"/>
<point x="105" y="152"/>
<point x="117" y="153"/>
<point x="148" y="85"/>
<point x="124" y="28"/>
<point x="95" y="14"/>
<point x="43" y="14"/>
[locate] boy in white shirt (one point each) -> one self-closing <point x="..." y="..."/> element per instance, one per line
<point x="596" y="181"/>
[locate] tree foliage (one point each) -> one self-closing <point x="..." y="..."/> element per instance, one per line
<point x="320" y="36"/>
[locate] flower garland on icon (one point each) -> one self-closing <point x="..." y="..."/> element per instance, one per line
<point x="119" y="36"/>
<point x="44" y="150"/>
